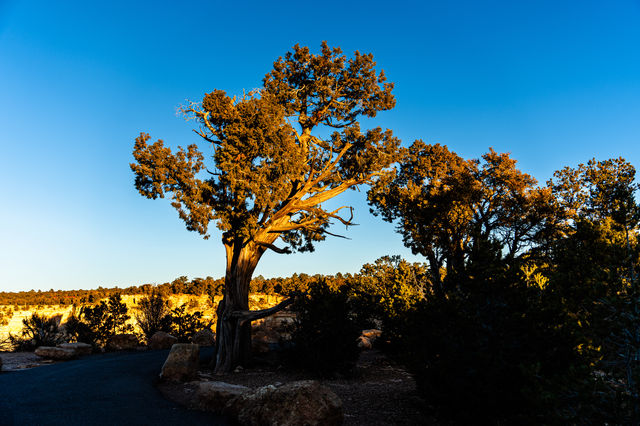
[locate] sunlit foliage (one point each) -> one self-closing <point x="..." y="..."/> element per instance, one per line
<point x="452" y="210"/>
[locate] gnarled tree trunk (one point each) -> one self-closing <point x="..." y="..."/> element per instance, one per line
<point x="233" y="330"/>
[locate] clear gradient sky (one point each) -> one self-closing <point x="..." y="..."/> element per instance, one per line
<point x="552" y="82"/>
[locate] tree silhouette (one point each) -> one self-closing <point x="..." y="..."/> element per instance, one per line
<point x="279" y="153"/>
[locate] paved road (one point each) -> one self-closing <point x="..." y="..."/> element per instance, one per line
<point x="105" y="389"/>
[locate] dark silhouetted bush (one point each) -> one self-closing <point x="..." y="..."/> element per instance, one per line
<point x="151" y="313"/>
<point x="96" y="324"/>
<point x="182" y="324"/>
<point x="324" y="340"/>
<point x="502" y="354"/>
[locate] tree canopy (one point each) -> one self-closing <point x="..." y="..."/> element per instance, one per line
<point x="450" y="210"/>
<point x="269" y="173"/>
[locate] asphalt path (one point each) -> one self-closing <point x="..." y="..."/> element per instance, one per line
<point x="103" y="389"/>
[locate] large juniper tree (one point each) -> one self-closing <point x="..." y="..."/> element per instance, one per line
<point x="278" y="153"/>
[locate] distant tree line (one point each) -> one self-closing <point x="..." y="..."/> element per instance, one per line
<point x="181" y="285"/>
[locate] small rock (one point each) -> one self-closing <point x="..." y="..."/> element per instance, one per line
<point x="51" y="352"/>
<point x="372" y="333"/>
<point x="368" y="337"/>
<point x="204" y="337"/>
<point x="364" y="343"/>
<point x="122" y="342"/>
<point x="182" y="363"/>
<point x="162" y="340"/>
<point x="79" y="347"/>
<point x="214" y="396"/>
<point x="293" y="404"/>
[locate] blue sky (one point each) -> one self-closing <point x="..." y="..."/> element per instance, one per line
<point x="552" y="82"/>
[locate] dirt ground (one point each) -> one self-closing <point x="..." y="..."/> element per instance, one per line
<point x="12" y="361"/>
<point x="379" y="393"/>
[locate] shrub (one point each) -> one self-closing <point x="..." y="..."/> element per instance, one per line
<point x="384" y="292"/>
<point x="96" y="324"/>
<point x="38" y="330"/>
<point x="151" y="312"/>
<point x="500" y="354"/>
<point x="182" y="324"/>
<point x="5" y="344"/>
<point x="620" y="350"/>
<point x="324" y="340"/>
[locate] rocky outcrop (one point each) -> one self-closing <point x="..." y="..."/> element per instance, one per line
<point x="79" y="347"/>
<point x="123" y="342"/>
<point x="162" y="340"/>
<point x="204" y="337"/>
<point x="52" y="352"/>
<point x="182" y="363"/>
<point x="214" y="396"/>
<point x="293" y="404"/>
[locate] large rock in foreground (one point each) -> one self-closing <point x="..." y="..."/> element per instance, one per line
<point x="123" y="342"/>
<point x="182" y="363"/>
<point x="51" y="352"/>
<point x="214" y="396"/>
<point x="79" y="347"/>
<point x="162" y="340"/>
<point x="299" y="403"/>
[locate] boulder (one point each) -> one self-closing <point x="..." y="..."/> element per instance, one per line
<point x="299" y="403"/>
<point x="364" y="343"/>
<point x="162" y="340"/>
<point x="214" y="396"/>
<point x="123" y="342"/>
<point x="372" y="334"/>
<point x="204" y="337"/>
<point x="182" y="363"/>
<point x="79" y="347"/>
<point x="366" y="339"/>
<point x="51" y="352"/>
